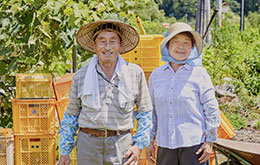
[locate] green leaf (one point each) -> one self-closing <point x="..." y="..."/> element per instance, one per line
<point x="101" y="7"/>
<point x="11" y="65"/>
<point x="5" y="22"/>
<point x="64" y="37"/>
<point x="55" y="18"/>
<point x="76" y="10"/>
<point x="94" y="15"/>
<point x="57" y="8"/>
<point x="44" y="32"/>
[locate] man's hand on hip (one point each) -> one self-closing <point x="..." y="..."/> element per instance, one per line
<point x="133" y="155"/>
<point x="64" y="160"/>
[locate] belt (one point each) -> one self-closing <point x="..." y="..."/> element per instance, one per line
<point x="103" y="133"/>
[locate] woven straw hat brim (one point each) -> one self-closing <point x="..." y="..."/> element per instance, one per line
<point x="178" y="28"/>
<point x="128" y="33"/>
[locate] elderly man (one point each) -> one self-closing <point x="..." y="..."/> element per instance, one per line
<point x="102" y="99"/>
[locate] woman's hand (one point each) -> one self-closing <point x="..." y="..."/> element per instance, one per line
<point x="206" y="148"/>
<point x="150" y="153"/>
<point x="64" y="160"/>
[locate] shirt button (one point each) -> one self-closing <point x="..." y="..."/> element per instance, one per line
<point x="171" y="88"/>
<point x="170" y="102"/>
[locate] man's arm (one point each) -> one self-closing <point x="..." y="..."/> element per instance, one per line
<point x="69" y="127"/>
<point x="143" y="116"/>
<point x="142" y="136"/>
<point x="69" y="124"/>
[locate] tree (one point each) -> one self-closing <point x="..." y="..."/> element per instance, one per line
<point x="180" y="8"/>
<point x="151" y="17"/>
<point x="38" y="36"/>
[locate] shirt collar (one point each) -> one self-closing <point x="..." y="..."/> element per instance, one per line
<point x="99" y="69"/>
<point x="185" y="66"/>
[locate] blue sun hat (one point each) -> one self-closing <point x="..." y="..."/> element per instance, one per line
<point x="195" y="57"/>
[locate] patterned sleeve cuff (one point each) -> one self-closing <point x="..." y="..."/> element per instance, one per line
<point x="142" y="136"/>
<point x="69" y="127"/>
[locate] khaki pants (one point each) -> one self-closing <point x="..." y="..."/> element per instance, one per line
<point x="93" y="150"/>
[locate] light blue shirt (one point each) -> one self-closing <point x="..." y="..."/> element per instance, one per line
<point x="185" y="110"/>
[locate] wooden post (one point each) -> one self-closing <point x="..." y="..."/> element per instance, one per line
<point x="207" y="20"/>
<point x="74" y="59"/>
<point x="198" y="18"/>
<point x="219" y="17"/>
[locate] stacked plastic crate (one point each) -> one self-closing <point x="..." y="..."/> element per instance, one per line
<point x="147" y="54"/>
<point x="6" y="147"/>
<point x="61" y="86"/>
<point x="34" y="120"/>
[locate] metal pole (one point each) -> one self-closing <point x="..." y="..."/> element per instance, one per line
<point x="242" y="16"/>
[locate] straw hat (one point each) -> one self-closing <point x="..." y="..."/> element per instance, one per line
<point x="180" y="27"/>
<point x="127" y="33"/>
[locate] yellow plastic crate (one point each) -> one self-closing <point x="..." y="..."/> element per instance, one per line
<point x="147" y="53"/>
<point x="3" y="146"/>
<point x="61" y="107"/>
<point x="73" y="154"/>
<point x="37" y="149"/>
<point x="226" y="130"/>
<point x="147" y="75"/>
<point x="62" y="85"/>
<point x="34" y="85"/>
<point x="34" y="116"/>
<point x="5" y="132"/>
<point x="6" y="146"/>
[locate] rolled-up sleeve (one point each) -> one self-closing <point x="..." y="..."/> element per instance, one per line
<point x="154" y="116"/>
<point x="210" y="107"/>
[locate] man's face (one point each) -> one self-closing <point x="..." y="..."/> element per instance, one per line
<point x="107" y="46"/>
<point x="180" y="47"/>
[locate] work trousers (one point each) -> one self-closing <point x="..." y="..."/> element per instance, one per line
<point x="93" y="150"/>
<point x="179" y="156"/>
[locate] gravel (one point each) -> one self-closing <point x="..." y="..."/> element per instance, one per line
<point x="248" y="135"/>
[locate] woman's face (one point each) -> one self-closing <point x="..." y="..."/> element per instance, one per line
<point x="180" y="47"/>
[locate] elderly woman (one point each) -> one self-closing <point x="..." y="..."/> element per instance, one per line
<point x="185" y="110"/>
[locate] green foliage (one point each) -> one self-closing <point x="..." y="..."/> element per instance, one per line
<point x="6" y="94"/>
<point x="38" y="36"/>
<point x="180" y="8"/>
<point x="254" y="18"/>
<point x="237" y="120"/>
<point x="257" y="125"/>
<point x="152" y="22"/>
<point x="235" y="54"/>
